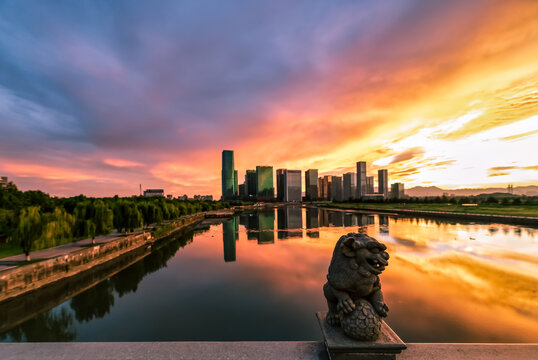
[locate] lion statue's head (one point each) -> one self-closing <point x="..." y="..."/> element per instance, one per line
<point x="356" y="256"/>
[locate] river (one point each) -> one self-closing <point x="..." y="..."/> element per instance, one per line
<point x="259" y="276"/>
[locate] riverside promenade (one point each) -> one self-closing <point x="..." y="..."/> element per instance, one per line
<point x="19" y="260"/>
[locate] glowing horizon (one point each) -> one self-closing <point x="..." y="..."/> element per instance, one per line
<point x="99" y="99"/>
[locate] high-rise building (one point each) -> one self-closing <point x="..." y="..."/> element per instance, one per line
<point x="292" y="186"/>
<point x="397" y="190"/>
<point x="250" y="184"/>
<point x="369" y="184"/>
<point x="349" y="189"/>
<point x="228" y="175"/>
<point x="361" y="179"/>
<point x="336" y="189"/>
<point x="236" y="183"/>
<point x="280" y="184"/>
<point x="324" y="184"/>
<point x="383" y="182"/>
<point x="3" y="181"/>
<point x="242" y="193"/>
<point x="264" y="183"/>
<point x="311" y="184"/>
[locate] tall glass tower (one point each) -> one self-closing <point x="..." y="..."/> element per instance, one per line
<point x="228" y="175"/>
<point x="264" y="183"/>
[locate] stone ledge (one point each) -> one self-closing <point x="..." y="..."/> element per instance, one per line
<point x="249" y="350"/>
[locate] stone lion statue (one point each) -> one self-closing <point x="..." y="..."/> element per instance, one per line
<point x="353" y="290"/>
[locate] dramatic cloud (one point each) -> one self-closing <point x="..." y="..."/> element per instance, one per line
<point x="99" y="97"/>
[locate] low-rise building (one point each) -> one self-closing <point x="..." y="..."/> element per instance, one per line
<point x="153" y="192"/>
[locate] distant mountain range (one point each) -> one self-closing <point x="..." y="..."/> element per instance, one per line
<point x="420" y="191"/>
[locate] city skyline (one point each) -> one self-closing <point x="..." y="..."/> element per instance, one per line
<point x="97" y="99"/>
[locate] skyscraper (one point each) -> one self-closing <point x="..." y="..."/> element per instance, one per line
<point x="280" y="184"/>
<point x="397" y="190"/>
<point x="369" y="184"/>
<point x="324" y="184"/>
<point x="250" y="183"/>
<point x="264" y="183"/>
<point x="311" y="184"/>
<point x="236" y="183"/>
<point x="228" y="175"/>
<point x="336" y="189"/>
<point x="292" y="185"/>
<point x="361" y="179"/>
<point x="383" y="182"/>
<point x="349" y="189"/>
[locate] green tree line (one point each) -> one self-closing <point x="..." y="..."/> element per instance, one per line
<point x="33" y="220"/>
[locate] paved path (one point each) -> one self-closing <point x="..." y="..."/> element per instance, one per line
<point x="14" y="261"/>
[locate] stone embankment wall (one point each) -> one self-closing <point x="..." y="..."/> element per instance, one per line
<point x="23" y="279"/>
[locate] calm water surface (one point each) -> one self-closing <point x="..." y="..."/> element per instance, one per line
<point x="259" y="276"/>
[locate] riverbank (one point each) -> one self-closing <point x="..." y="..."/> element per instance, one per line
<point x="22" y="278"/>
<point x="479" y="213"/>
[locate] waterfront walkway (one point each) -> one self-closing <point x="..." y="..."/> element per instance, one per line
<point x="49" y="253"/>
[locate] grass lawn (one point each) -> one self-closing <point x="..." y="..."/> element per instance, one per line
<point x="7" y="250"/>
<point x="509" y="210"/>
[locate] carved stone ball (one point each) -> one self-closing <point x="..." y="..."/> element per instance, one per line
<point x="363" y="323"/>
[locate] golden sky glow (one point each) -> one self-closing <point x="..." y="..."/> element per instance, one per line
<point x="441" y="94"/>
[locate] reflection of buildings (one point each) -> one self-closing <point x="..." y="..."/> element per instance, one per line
<point x="260" y="226"/>
<point x="266" y="223"/>
<point x="350" y="220"/>
<point x="229" y="238"/>
<point x="311" y="184"/>
<point x="336" y="218"/>
<point x="383" y="223"/>
<point x="250" y="222"/>
<point x="290" y="222"/>
<point x="312" y="221"/>
<point x="366" y="220"/>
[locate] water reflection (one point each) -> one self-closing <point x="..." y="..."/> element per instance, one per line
<point x="457" y="281"/>
<point x="96" y="302"/>
<point x="229" y="236"/>
<point x="290" y="222"/>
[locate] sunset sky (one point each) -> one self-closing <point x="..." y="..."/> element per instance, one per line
<point x="97" y="97"/>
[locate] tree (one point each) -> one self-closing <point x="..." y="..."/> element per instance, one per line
<point x="103" y="218"/>
<point x="57" y="229"/>
<point x="29" y="228"/>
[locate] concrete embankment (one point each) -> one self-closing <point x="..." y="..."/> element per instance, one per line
<point x="23" y="279"/>
<point x="503" y="219"/>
